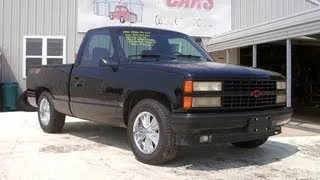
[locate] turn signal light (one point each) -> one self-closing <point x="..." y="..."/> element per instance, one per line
<point x="187" y="102"/>
<point x="188" y="86"/>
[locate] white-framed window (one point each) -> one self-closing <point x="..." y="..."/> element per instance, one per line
<point x="43" y="50"/>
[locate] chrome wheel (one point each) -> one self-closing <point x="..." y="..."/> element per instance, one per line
<point x="44" y="111"/>
<point x="146" y="132"/>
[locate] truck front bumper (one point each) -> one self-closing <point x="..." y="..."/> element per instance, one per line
<point x="205" y="128"/>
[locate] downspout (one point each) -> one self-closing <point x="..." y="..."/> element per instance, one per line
<point x="289" y="72"/>
<point x="254" y="56"/>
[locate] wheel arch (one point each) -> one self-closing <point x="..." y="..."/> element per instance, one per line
<point x="39" y="91"/>
<point x="133" y="98"/>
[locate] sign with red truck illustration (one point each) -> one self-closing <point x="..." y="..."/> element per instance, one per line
<point x="201" y="18"/>
<point x="123" y="14"/>
<point x="121" y="10"/>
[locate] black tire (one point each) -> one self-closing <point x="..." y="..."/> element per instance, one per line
<point x="56" y="119"/>
<point x="167" y="148"/>
<point x="250" y="144"/>
<point x="111" y="17"/>
<point x="122" y="19"/>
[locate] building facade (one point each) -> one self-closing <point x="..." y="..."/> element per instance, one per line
<point x="35" y="32"/>
<point x="41" y="32"/>
<point x="262" y="21"/>
<point x="256" y="23"/>
<point x="45" y="32"/>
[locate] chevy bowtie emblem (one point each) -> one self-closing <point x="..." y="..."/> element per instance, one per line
<point x="256" y="93"/>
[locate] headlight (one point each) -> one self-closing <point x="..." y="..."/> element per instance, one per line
<point x="202" y="102"/>
<point x="281" y="85"/>
<point x="281" y="99"/>
<point x="207" y="86"/>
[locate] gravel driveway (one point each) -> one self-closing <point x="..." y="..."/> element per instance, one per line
<point x="87" y="150"/>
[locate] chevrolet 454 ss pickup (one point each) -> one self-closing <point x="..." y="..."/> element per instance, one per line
<point x="164" y="88"/>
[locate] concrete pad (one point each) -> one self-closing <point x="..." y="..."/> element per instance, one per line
<point x="293" y="132"/>
<point x="86" y="150"/>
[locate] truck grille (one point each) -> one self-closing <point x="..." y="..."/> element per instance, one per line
<point x="246" y="94"/>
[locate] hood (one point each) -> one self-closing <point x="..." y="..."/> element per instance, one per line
<point x="212" y="70"/>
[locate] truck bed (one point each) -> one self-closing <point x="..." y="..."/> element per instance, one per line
<point x="56" y="79"/>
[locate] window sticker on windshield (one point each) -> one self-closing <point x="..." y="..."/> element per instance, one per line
<point x="139" y="38"/>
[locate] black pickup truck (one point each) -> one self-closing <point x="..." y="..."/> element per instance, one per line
<point x="164" y="88"/>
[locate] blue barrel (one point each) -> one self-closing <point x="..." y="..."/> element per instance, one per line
<point x="9" y="92"/>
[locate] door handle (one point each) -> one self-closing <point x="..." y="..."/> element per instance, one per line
<point x="78" y="84"/>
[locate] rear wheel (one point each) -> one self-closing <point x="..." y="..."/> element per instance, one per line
<point x="149" y="133"/>
<point x="50" y="120"/>
<point x="250" y="144"/>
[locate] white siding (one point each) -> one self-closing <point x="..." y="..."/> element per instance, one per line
<point x="33" y="17"/>
<point x="247" y="13"/>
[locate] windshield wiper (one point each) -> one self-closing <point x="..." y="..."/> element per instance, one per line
<point x="151" y="56"/>
<point x="189" y="56"/>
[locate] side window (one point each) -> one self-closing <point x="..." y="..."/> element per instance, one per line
<point x="99" y="46"/>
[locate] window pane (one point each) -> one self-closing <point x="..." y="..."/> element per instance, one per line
<point x="182" y="46"/>
<point x="131" y="50"/>
<point x="140" y="43"/>
<point x="32" y="62"/>
<point x="54" y="61"/>
<point x="34" y="47"/>
<point x="55" y="47"/>
<point x="99" y="46"/>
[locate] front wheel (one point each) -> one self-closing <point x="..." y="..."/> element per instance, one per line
<point x="50" y="120"/>
<point x="149" y="133"/>
<point x="250" y="144"/>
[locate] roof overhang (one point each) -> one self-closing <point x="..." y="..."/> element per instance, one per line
<point x="300" y="24"/>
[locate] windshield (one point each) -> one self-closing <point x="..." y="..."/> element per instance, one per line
<point x="141" y="44"/>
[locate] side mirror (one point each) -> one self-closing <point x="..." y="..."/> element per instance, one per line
<point x="107" y="63"/>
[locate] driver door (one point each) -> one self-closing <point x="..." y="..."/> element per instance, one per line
<point x="93" y="95"/>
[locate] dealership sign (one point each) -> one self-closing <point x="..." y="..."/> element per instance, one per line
<point x="202" y="18"/>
